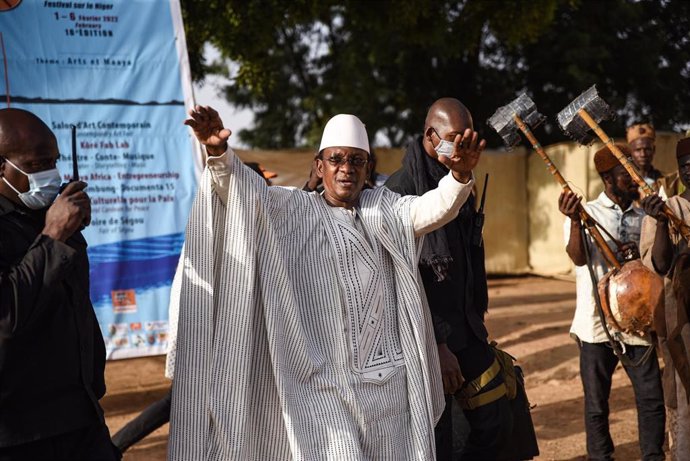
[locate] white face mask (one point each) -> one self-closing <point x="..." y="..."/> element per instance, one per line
<point x="43" y="187"/>
<point x="444" y="148"/>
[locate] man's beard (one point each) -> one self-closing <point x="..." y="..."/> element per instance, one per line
<point x="627" y="194"/>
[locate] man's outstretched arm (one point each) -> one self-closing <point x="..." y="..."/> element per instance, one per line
<point x="210" y="132"/>
<point x="439" y="206"/>
<point x="208" y="129"/>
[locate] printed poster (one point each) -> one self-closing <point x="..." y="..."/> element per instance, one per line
<point x="118" y="71"/>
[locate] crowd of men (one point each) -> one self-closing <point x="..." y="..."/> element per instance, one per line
<point x="337" y="321"/>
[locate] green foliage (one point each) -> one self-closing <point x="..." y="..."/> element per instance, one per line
<point x="298" y="63"/>
<point x="638" y="54"/>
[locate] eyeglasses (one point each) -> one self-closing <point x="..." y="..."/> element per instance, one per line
<point x="340" y="160"/>
<point x="450" y="135"/>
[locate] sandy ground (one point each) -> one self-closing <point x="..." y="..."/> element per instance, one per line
<point x="528" y="316"/>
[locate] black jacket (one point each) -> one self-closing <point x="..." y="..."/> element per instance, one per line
<point x="52" y="355"/>
<point x="459" y="303"/>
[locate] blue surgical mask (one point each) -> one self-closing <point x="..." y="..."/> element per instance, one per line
<point x="44" y="186"/>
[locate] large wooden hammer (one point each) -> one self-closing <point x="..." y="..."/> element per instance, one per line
<point x="522" y="115"/>
<point x="584" y="114"/>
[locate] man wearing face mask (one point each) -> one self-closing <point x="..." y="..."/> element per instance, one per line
<point x="52" y="355"/>
<point x="452" y="269"/>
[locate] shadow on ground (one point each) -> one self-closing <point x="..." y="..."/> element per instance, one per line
<point x="532" y="314"/>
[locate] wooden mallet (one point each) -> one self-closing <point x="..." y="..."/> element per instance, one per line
<point x="522" y="115"/>
<point x="584" y="114"/>
<point x="630" y="293"/>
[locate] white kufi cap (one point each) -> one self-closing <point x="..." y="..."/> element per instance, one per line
<point x="345" y="130"/>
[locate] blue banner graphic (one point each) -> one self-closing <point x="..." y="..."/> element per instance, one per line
<point x="118" y="71"/>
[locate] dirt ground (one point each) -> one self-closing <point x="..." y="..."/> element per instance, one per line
<point x="528" y="316"/>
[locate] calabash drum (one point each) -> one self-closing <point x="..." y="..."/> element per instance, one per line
<point x="630" y="296"/>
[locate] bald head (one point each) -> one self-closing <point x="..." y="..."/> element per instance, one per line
<point x="29" y="145"/>
<point x="20" y="130"/>
<point x="446" y="118"/>
<point x="446" y="111"/>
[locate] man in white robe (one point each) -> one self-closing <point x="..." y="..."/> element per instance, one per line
<point x="302" y="330"/>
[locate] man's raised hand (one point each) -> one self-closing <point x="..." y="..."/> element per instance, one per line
<point x="653" y="205"/>
<point x="70" y="211"/>
<point x="466" y="153"/>
<point x="569" y="204"/>
<point x="208" y="129"/>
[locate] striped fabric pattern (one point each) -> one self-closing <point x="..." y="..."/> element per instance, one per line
<point x="263" y="364"/>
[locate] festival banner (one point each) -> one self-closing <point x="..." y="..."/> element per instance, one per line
<point x="118" y="71"/>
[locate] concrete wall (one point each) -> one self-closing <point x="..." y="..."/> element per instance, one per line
<point x="506" y="227"/>
<point x="546" y="245"/>
<point x="523" y="229"/>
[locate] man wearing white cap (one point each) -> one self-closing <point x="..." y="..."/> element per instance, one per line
<point x="302" y="331"/>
